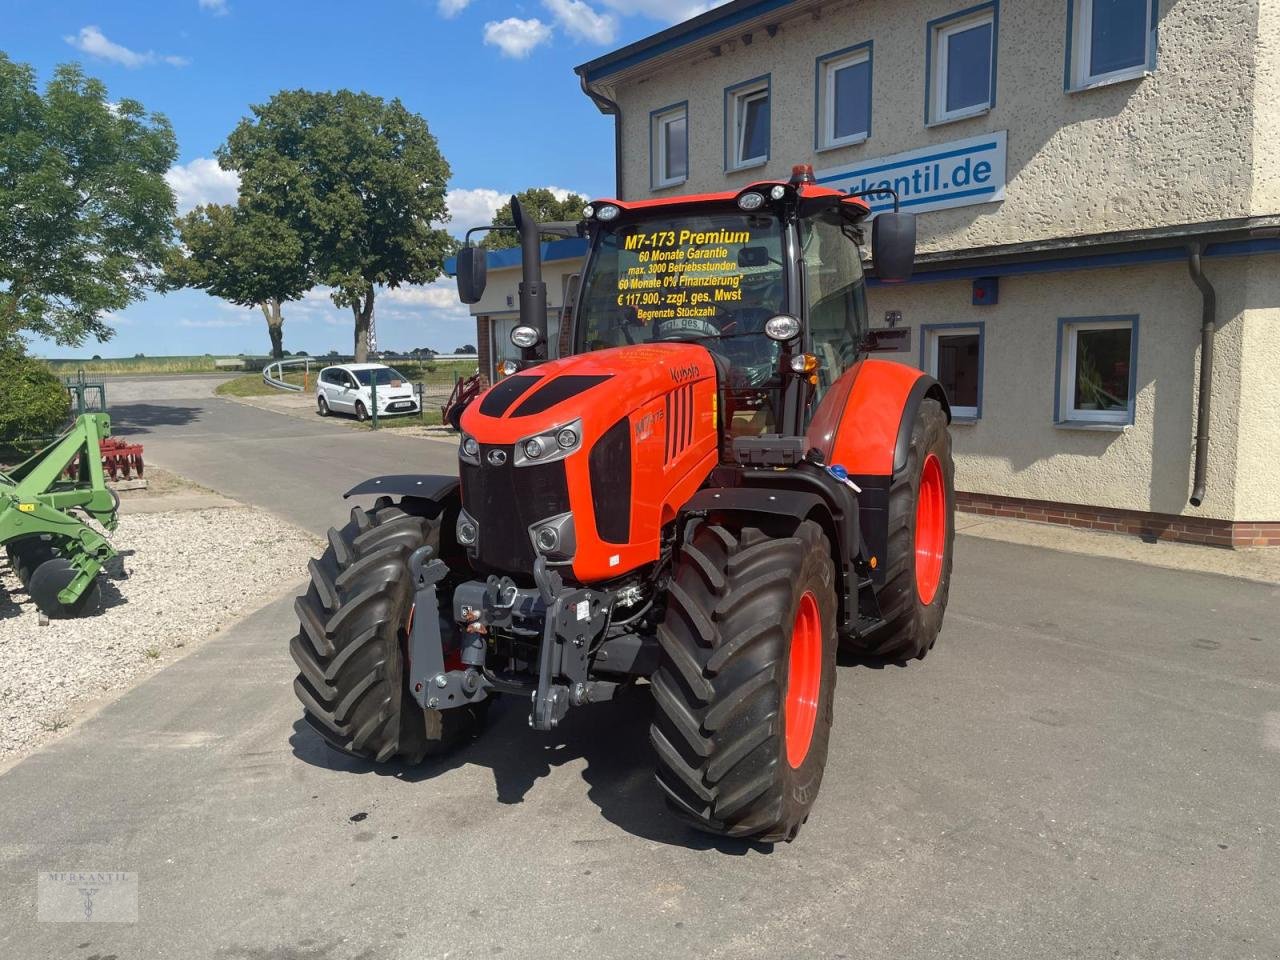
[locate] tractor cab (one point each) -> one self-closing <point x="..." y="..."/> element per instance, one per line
<point x="768" y="279"/>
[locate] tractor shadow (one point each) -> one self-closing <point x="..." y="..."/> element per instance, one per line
<point x="613" y="739"/>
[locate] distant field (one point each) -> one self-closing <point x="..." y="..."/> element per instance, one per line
<point x="69" y="368"/>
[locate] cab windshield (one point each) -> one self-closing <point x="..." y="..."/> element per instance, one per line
<point x="712" y="279"/>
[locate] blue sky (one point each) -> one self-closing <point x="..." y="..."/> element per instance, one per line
<point x="477" y="70"/>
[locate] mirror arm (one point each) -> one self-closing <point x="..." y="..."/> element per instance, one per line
<point x="881" y="191"/>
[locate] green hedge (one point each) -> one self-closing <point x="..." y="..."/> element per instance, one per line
<point x="33" y="401"/>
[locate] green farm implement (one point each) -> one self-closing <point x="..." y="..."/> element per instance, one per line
<point x="56" y="555"/>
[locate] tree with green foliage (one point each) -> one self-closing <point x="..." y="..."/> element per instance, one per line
<point x="545" y="208"/>
<point x="245" y="257"/>
<point x="85" y="212"/>
<point x="33" y="402"/>
<point x="359" y="179"/>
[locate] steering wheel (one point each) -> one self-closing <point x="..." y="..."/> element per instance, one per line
<point x="684" y="328"/>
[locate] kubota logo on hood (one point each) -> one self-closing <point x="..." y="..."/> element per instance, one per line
<point x="688" y="372"/>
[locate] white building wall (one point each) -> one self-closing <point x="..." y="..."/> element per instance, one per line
<point x="1174" y="147"/>
<point x="1016" y="449"/>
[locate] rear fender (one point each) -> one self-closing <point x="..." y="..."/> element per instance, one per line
<point x="864" y="424"/>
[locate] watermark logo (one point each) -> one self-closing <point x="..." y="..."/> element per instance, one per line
<point x="87" y="896"/>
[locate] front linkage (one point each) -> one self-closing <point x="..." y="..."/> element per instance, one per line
<point x="574" y="621"/>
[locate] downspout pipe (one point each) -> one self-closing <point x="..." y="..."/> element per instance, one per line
<point x="609" y="108"/>
<point x="1208" y="323"/>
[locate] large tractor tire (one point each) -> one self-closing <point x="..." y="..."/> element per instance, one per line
<point x="351" y="645"/>
<point x="921" y="537"/>
<point x="743" y="693"/>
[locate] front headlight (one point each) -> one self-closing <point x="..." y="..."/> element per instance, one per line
<point x="469" y="450"/>
<point x="550" y="446"/>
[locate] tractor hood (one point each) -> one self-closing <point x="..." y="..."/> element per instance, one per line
<point x="598" y="388"/>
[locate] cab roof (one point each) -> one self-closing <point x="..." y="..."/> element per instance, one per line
<point x="805" y="191"/>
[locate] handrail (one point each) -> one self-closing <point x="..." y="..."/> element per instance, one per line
<point x="277" y="379"/>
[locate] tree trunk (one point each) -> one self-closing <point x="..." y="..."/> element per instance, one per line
<point x="275" y="327"/>
<point x="364" y="318"/>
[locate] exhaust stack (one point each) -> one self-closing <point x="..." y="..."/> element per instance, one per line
<point x="533" y="292"/>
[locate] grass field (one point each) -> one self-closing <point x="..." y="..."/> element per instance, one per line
<point x="118" y="365"/>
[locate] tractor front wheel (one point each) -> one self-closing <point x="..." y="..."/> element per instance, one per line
<point x="351" y="646"/>
<point x="743" y="693"/>
<point x="921" y="536"/>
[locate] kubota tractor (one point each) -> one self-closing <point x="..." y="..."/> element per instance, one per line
<point x="713" y="490"/>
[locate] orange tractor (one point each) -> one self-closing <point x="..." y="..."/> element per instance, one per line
<point x="713" y="491"/>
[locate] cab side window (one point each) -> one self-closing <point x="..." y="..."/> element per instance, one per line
<point x="835" y="294"/>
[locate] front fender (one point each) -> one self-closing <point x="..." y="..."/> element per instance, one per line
<point x="427" y="486"/>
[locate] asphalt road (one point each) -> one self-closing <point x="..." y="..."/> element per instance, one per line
<point x="1086" y="766"/>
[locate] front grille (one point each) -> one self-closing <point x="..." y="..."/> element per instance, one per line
<point x="609" y="465"/>
<point x="505" y="500"/>
<point x="679" y="420"/>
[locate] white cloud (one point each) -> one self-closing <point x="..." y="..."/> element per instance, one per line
<point x="202" y="181"/>
<point x="440" y="297"/>
<point x="217" y="7"/>
<point x="670" y="11"/>
<point x="582" y="22"/>
<point x="515" y="37"/>
<point x="472" y="208"/>
<point x="451" y="8"/>
<point x="94" y="42"/>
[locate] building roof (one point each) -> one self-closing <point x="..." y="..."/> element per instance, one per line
<point x="701" y="29"/>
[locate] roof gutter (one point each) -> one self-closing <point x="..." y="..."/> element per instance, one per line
<point x="1208" y="323"/>
<point x="609" y="108"/>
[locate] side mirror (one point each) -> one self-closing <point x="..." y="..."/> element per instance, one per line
<point x="473" y="273"/>
<point x="893" y="246"/>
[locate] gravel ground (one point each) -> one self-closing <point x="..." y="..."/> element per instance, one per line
<point x="189" y="575"/>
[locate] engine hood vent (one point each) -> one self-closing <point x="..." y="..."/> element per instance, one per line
<point x="556" y="390"/>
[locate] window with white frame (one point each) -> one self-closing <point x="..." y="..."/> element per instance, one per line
<point x="670" y="145"/>
<point x="962" y="62"/>
<point x="953" y="357"/>
<point x="1110" y="40"/>
<point x="747" y="124"/>
<point x="1098" y="376"/>
<point x="844" y="97"/>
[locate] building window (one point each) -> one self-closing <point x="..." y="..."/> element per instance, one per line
<point x="1109" y="41"/>
<point x="961" y="69"/>
<point x="746" y="124"/>
<point x="669" y="145"/>
<point x="1097" y="373"/>
<point x="952" y="354"/>
<point x="844" y="97"/>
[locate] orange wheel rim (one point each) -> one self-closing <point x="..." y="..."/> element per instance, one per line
<point x="804" y="679"/>
<point x="931" y="529"/>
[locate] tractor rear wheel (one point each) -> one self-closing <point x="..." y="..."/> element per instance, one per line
<point x="743" y="693"/>
<point x="921" y="536"/>
<point x="351" y="645"/>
